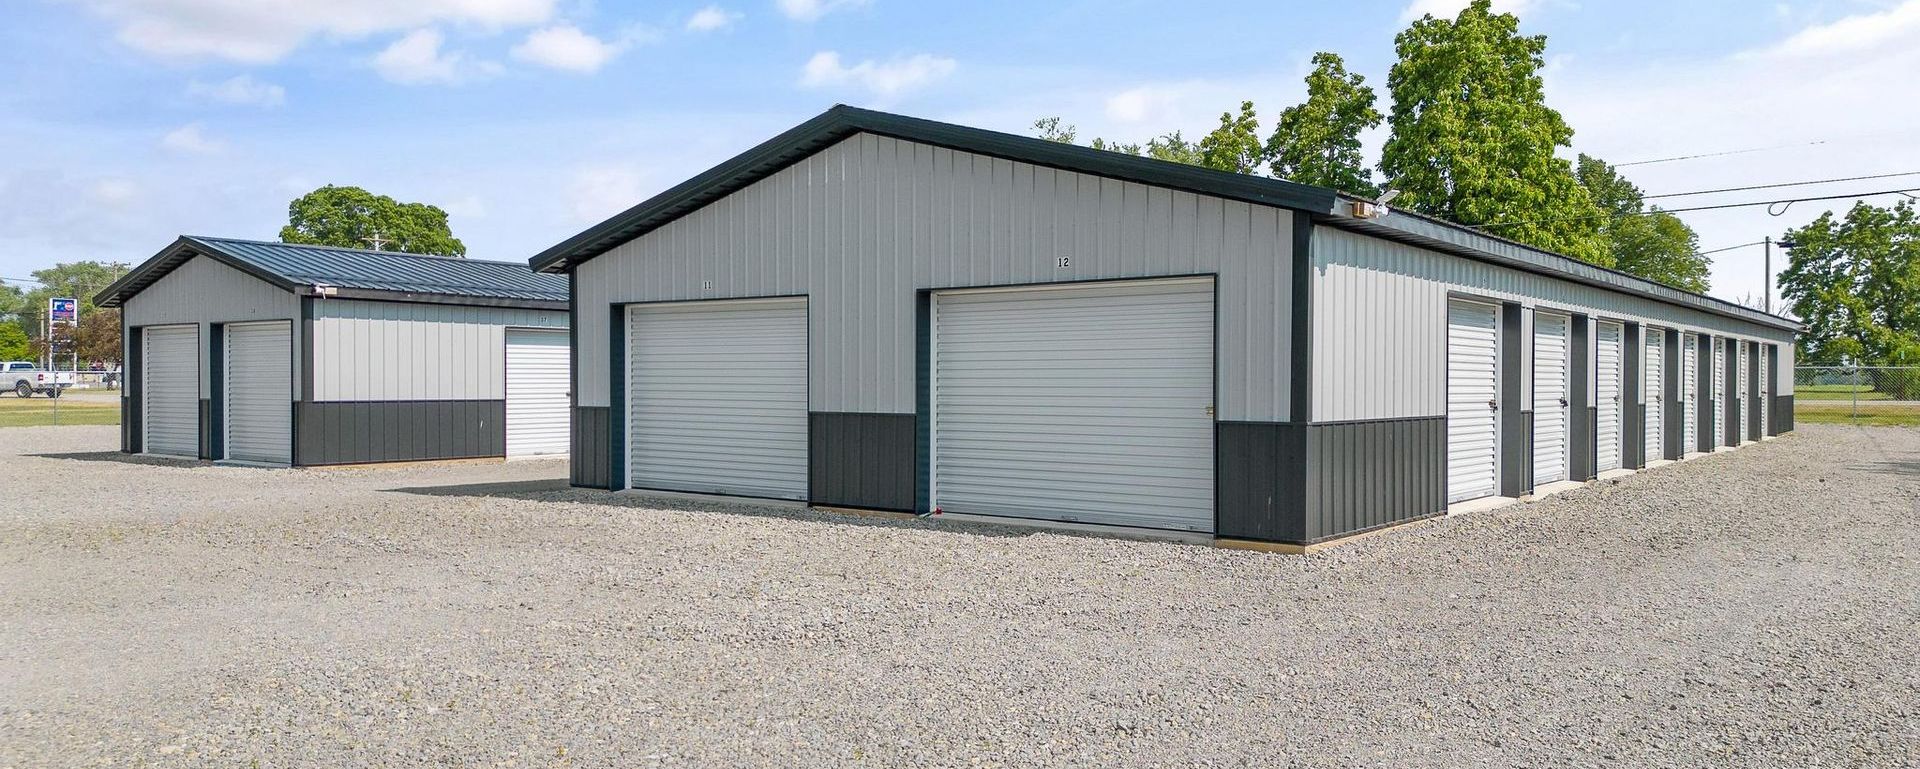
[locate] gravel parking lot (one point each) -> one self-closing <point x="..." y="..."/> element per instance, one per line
<point x="1758" y="609"/>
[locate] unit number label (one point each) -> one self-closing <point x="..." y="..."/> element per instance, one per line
<point x="1063" y="262"/>
<point x="706" y="285"/>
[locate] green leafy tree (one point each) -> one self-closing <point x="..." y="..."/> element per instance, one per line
<point x="1049" y="128"/>
<point x="1318" y="141"/>
<point x="1650" y="244"/>
<point x="350" y="217"/>
<point x="1473" y="140"/>
<point x="13" y="343"/>
<point x="1235" y="146"/>
<point x="1855" y="282"/>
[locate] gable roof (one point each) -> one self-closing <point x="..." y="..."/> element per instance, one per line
<point x="353" y="272"/>
<point x="1326" y="206"/>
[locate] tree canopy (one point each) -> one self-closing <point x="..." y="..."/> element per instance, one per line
<point x="1650" y="244"/>
<point x="13" y="343"/>
<point x="1473" y="139"/>
<point x="1855" y="282"/>
<point x="1318" y="141"/>
<point x="350" y="217"/>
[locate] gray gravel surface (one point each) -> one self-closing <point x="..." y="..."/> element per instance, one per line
<point x="1760" y="609"/>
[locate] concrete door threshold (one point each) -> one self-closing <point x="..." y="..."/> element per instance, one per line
<point x="718" y="499"/>
<point x="1724" y="449"/>
<point x="1693" y="455"/>
<point x="1659" y="463"/>
<point x="1548" y="490"/>
<point x="248" y="463"/>
<point x="1099" y="529"/>
<point x="1480" y="505"/>
<point x="1612" y="474"/>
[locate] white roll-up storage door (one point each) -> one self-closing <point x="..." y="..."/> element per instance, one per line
<point x="1473" y="365"/>
<point x="1550" y="372"/>
<point x="259" y="392"/>
<point x="1654" y="390"/>
<point x="170" y="390"/>
<point x="1087" y="403"/>
<point x="1766" y="391"/>
<point x="1690" y="394"/>
<point x="537" y="404"/>
<point x="717" y="397"/>
<point x="1607" y="380"/>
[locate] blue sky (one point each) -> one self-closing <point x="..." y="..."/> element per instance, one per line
<point x="126" y="122"/>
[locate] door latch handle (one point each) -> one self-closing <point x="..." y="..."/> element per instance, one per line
<point x="1209" y="411"/>
<point x="1563" y="403"/>
<point x="1493" y="405"/>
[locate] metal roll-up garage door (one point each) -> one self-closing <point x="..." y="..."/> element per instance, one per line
<point x="170" y="390"/>
<point x="1606" y="398"/>
<point x="1090" y="403"/>
<point x="259" y="392"/>
<point x="717" y="397"/>
<point x="1690" y="394"/>
<point x="1473" y="364"/>
<point x="1550" y="372"/>
<point x="1765" y="391"/>
<point x="1654" y="385"/>
<point x="537" y="404"/>
<point x="1743" y="387"/>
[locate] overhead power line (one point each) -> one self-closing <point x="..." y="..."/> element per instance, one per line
<point x="1730" y="248"/>
<point x="1778" y="185"/>
<point x="1717" y="154"/>
<point x="1650" y="212"/>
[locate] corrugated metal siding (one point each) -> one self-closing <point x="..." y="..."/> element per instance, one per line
<point x="861" y="225"/>
<point x="204" y="291"/>
<point x="399" y="431"/>
<point x="399" y="351"/>
<point x="1379" y="320"/>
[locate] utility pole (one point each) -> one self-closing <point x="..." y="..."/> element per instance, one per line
<point x="378" y="243"/>
<point x="1767" y="285"/>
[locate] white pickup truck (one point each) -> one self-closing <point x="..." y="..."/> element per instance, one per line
<point x="25" y="378"/>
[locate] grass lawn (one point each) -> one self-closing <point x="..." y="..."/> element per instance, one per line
<point x="1838" y="392"/>
<point x="39" y="411"/>
<point x="1842" y="413"/>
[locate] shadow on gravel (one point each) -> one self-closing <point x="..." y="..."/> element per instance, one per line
<point x="1901" y="469"/>
<point x="124" y="459"/>
<point x="559" y="490"/>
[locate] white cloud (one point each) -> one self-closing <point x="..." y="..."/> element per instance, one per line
<point x="240" y="89"/>
<point x="711" y="18"/>
<point x="565" y="47"/>
<point x="810" y="10"/>
<point x="886" y="78"/>
<point x="417" y="60"/>
<point x="261" y="31"/>
<point x="191" y="139"/>
<point x="1142" y="104"/>
<point x="1853" y="34"/>
<point x="113" y="192"/>
<point x="599" y="192"/>
<point x="1447" y="9"/>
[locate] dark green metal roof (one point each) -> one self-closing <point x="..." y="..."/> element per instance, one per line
<point x="353" y="272"/>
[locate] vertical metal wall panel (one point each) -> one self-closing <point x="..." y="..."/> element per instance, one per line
<point x="403" y="351"/>
<point x="862" y="225"/>
<point x="257" y="407"/>
<point x="1609" y="368"/>
<point x="203" y="291"/>
<point x="861" y="460"/>
<point x="1551" y="356"/>
<point x="170" y="400"/>
<point x="1379" y="311"/>
<point x="588" y="459"/>
<point x="334" y="433"/>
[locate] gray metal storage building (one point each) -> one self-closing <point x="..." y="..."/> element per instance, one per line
<point x="287" y="354"/>
<point x="878" y="311"/>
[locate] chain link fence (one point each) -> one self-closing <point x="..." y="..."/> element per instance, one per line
<point x="1869" y="394"/>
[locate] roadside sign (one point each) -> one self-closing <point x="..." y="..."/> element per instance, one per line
<point x="63" y="310"/>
